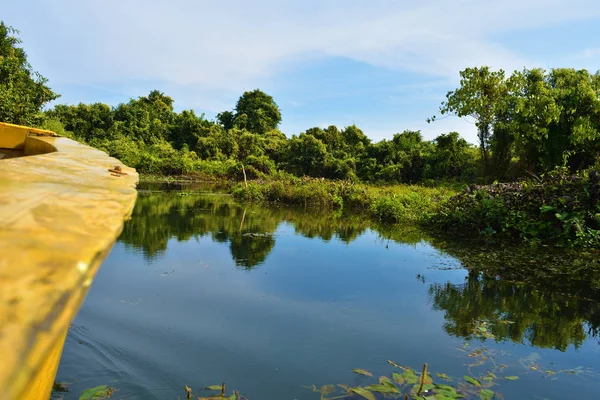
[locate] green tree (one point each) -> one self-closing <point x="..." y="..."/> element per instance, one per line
<point x="23" y="91"/>
<point x="528" y="111"/>
<point x="450" y="157"/>
<point x="479" y="97"/>
<point x="576" y="133"/>
<point x="226" y="118"/>
<point x="255" y="111"/>
<point x="305" y="155"/>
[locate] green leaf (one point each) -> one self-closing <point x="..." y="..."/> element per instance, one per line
<point x="363" y="392"/>
<point x="214" y="387"/>
<point x="444" y="377"/>
<point x="94" y="393"/>
<point x="362" y="372"/>
<point x="511" y="378"/>
<point x="472" y="381"/>
<point x="486" y="394"/>
<point x="383" y="389"/>
<point x="546" y="208"/>
<point x="397" y="378"/>
<point x="384" y="380"/>
<point x="410" y="377"/>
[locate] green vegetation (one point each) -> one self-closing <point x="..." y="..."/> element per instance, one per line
<point x="558" y="208"/>
<point x="23" y="91"/>
<point x="529" y="124"/>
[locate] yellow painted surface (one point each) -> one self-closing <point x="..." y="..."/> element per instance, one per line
<point x="60" y="214"/>
<point x="13" y="136"/>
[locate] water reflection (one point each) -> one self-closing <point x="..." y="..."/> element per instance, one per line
<point x="515" y="311"/>
<point x="161" y="216"/>
<point x="545" y="299"/>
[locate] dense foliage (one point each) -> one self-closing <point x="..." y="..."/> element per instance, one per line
<point x="558" y="208"/>
<point x="23" y="91"/>
<point x="146" y="133"/>
<point x="532" y="121"/>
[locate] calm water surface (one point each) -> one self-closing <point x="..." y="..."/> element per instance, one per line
<point x="200" y="290"/>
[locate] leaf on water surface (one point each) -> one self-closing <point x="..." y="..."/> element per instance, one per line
<point x="362" y="372"/>
<point x="446" y="392"/>
<point x="327" y="389"/>
<point x="472" y="381"/>
<point x="363" y="392"/>
<point x="410" y="377"/>
<point x="511" y="378"/>
<point x="97" y="392"/>
<point x="398" y="378"/>
<point x="213" y="387"/>
<point x="444" y="376"/>
<point x="345" y="387"/>
<point x="384" y="380"/>
<point x="383" y="389"/>
<point x="486" y="394"/>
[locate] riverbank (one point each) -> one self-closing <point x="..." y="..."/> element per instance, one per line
<point x="556" y="209"/>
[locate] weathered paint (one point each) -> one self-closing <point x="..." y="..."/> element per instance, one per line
<point x="61" y="210"/>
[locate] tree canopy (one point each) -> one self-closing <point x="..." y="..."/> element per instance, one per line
<point x="23" y="91"/>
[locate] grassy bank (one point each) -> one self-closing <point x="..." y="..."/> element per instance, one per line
<point x="395" y="203"/>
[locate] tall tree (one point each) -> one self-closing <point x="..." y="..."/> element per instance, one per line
<point x="23" y="91"/>
<point x="479" y="97"/>
<point x="255" y="111"/>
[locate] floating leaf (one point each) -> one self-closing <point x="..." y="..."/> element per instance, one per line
<point x="444" y="392"/>
<point x="486" y="394"/>
<point x="398" y="378"/>
<point x="363" y="392"/>
<point x="410" y="377"/>
<point x="213" y="387"/>
<point x="444" y="377"/>
<point x="511" y="378"/>
<point x="97" y="392"/>
<point x="472" y="381"/>
<point x="362" y="372"/>
<point x="327" y="389"/>
<point x="381" y="388"/>
<point x="384" y="380"/>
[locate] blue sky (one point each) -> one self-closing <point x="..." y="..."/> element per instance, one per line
<point x="384" y="65"/>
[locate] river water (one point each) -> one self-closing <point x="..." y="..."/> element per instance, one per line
<point x="201" y="290"/>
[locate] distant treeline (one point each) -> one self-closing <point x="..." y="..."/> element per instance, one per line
<point x="528" y="124"/>
<point x="147" y="134"/>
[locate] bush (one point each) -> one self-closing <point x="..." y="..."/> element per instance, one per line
<point x="560" y="209"/>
